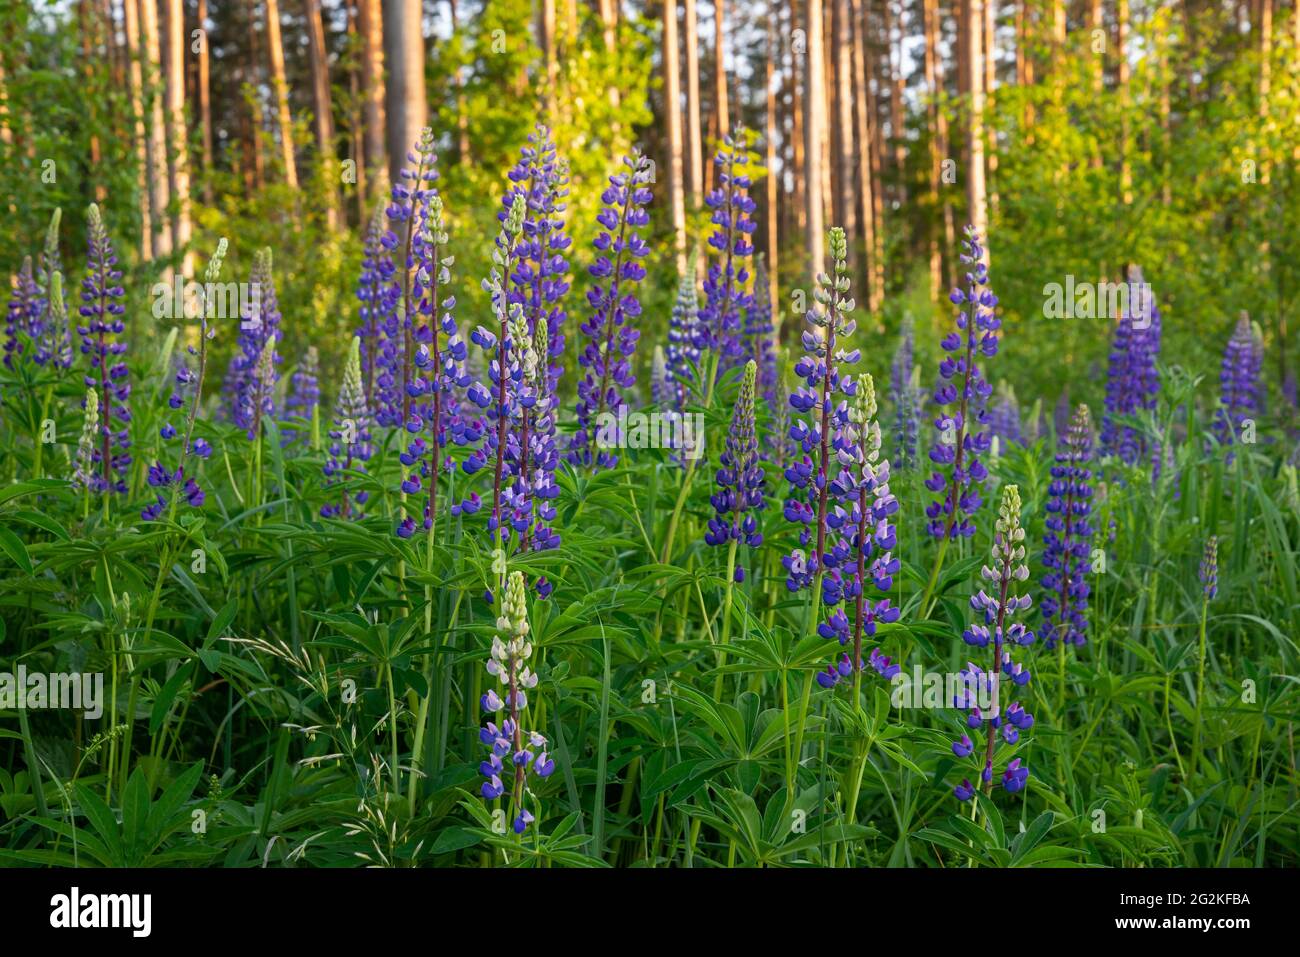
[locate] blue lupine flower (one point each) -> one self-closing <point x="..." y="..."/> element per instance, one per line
<point x="982" y="690"/>
<point x="1132" y="380"/>
<point x="304" y="391"/>
<point x="1066" y="553"/>
<point x="1209" y="570"/>
<point x="823" y="398"/>
<point x="611" y="340"/>
<point x="683" y="340"/>
<point x="1241" y="394"/>
<point x="350" y="440"/>
<point x="739" y="496"/>
<point x="249" y="392"/>
<point x="1004" y="417"/>
<point x="101" y="311"/>
<point x="862" y="532"/>
<point x="962" y="436"/>
<point x="904" y="393"/>
<point x="375" y="291"/>
<point x="725" y="299"/>
<point x="760" y="345"/>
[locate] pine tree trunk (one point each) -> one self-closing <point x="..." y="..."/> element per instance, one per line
<point x="720" y="66"/>
<point x="990" y="81"/>
<point x="320" y="95"/>
<point x="280" y="88"/>
<point x="977" y="210"/>
<point x="370" y="25"/>
<point x="408" y="110"/>
<point x="135" y="84"/>
<point x="178" y="135"/>
<point x="673" y="120"/>
<point x="846" y="208"/>
<point x="798" y="97"/>
<point x="1121" y="55"/>
<point x="862" y="127"/>
<point x="773" y="191"/>
<point x="815" y="136"/>
<point x="203" y="85"/>
<point x="159" y="188"/>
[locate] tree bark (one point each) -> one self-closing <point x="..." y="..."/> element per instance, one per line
<point x="720" y="66"/>
<point x="177" y="133"/>
<point x="846" y="209"/>
<point x="977" y="210"/>
<point x="773" y="192"/>
<point x="320" y="95"/>
<point x="673" y="120"/>
<point x="694" y="143"/>
<point x="280" y="87"/>
<point x="370" y="26"/>
<point x="815" y="135"/>
<point x="134" y="85"/>
<point x="159" y="186"/>
<point x="203" y="90"/>
<point x="862" y="126"/>
<point x="407" y="107"/>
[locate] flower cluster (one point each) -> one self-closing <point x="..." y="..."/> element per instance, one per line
<point x="37" y="317"/>
<point x="611" y="341"/>
<point x="1004" y="417"/>
<point x="187" y="393"/>
<point x="1132" y="381"/>
<point x="904" y="393"/>
<point x="719" y="326"/>
<point x="760" y="345"/>
<point x="739" y="496"/>
<point x="506" y="740"/>
<point x="350" y="441"/>
<point x="683" y="354"/>
<point x="962" y="436"/>
<point x="249" y="386"/>
<point x="375" y="289"/>
<point x="1069" y="530"/>
<point x="101" y="311"/>
<point x="1209" y="570"/>
<point x="1241" y="392"/>
<point x="982" y="694"/>
<point x="304" y="392"/>
<point x="863" y="533"/>
<point x="823" y="399"/>
<point x="83" y="475"/>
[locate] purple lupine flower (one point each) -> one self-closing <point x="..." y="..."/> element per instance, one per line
<point x="304" y="392"/>
<point x="1004" y="417"/>
<point x="904" y="392"/>
<point x="375" y="289"/>
<point x="1132" y="380"/>
<point x="739" y="496"/>
<point x="962" y="436"/>
<point x="23" y="317"/>
<point x="719" y="326"/>
<point x="1241" y="396"/>
<point x="249" y="392"/>
<point x="350" y="440"/>
<point x="822" y="433"/>
<point x="863" y="533"/>
<point x="539" y="270"/>
<point x="683" y="340"/>
<point x="760" y="345"/>
<point x="397" y="386"/>
<point x="526" y="753"/>
<point x="440" y="355"/>
<point x="1209" y="570"/>
<point x="982" y="698"/>
<point x="611" y="341"/>
<point x="1066" y="553"/>
<point x="54" y="342"/>
<point x="101" y="312"/>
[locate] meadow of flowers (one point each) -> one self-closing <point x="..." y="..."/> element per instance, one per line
<point x="475" y="601"/>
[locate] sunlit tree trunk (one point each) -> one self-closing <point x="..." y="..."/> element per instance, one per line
<point x="86" y="17"/>
<point x="862" y="129"/>
<point x="135" y="83"/>
<point x="462" y="115"/>
<point x="549" y="51"/>
<point x="609" y="32"/>
<point x="694" y="143"/>
<point x="815" y="136"/>
<point x="203" y="90"/>
<point x="977" y="209"/>
<point x="673" y="120"/>
<point x="845" y="206"/>
<point x="990" y="81"/>
<point x="320" y="95"/>
<point x="178" y="134"/>
<point x="1122" y="75"/>
<point x="773" y="191"/>
<point x="280" y="89"/>
<point x="159" y="189"/>
<point x="371" y="28"/>
<point x="408" y="110"/>
<point x="938" y="134"/>
<point x="798" y="97"/>
<point x="720" y="66"/>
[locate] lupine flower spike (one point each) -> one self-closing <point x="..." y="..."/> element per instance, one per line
<point x="507" y="741"/>
<point x="738" y="500"/>
<point x="187" y="393"/>
<point x="1132" y="381"/>
<point x="1241" y="394"/>
<point x="611" y="340"/>
<point x="863" y="538"/>
<point x="963" y="437"/>
<point x="248" y="390"/>
<point x="1066" y="554"/>
<point x="101" y="312"/>
<point x="982" y="697"/>
<point x="823" y="398"/>
<point x="350" y="441"/>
